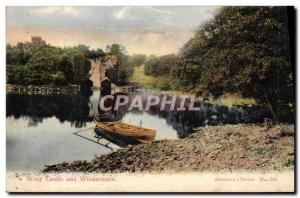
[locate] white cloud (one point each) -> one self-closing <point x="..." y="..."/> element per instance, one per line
<point x="138" y="13"/>
<point x="69" y="10"/>
<point x="121" y="13"/>
<point x="142" y="17"/>
<point x="161" y="11"/>
<point x="64" y="10"/>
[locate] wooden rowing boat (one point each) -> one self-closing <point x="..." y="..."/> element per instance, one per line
<point x="124" y="130"/>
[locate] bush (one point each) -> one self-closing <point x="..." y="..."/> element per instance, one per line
<point x="163" y="83"/>
<point x="59" y="78"/>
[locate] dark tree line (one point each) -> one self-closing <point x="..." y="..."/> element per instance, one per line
<point x="48" y="64"/>
<point x="72" y="108"/>
<point x="156" y="66"/>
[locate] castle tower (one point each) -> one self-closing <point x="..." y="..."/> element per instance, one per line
<point x="37" y="42"/>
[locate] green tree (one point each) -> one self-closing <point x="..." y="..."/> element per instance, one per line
<point x="81" y="64"/>
<point x="45" y="59"/>
<point x="15" y="74"/>
<point x="137" y="60"/>
<point x="166" y="64"/>
<point x="59" y="78"/>
<point x="78" y="67"/>
<point x="83" y="49"/>
<point x="243" y="50"/>
<point x="47" y="65"/>
<point x="151" y="64"/>
<point x="65" y="65"/>
<point x="17" y="54"/>
<point x="94" y="54"/>
<point x="123" y="67"/>
<point x="41" y="65"/>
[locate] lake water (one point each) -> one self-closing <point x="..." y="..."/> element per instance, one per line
<point x="39" y="128"/>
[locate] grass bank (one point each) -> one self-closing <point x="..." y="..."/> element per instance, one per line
<point x="162" y="85"/>
<point x="141" y="79"/>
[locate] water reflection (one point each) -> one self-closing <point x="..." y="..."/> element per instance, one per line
<point x="71" y="108"/>
<point x="39" y="128"/>
<point x="172" y="124"/>
<point x="79" y="109"/>
<point x="30" y="148"/>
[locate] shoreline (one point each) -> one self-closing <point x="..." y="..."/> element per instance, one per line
<point x="213" y="148"/>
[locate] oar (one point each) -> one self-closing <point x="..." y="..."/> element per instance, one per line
<point x="86" y="129"/>
<point x="93" y="141"/>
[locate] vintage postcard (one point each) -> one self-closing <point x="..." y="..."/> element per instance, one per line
<point x="150" y="99"/>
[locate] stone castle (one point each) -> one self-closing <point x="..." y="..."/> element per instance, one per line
<point x="36" y="42"/>
<point x="99" y="68"/>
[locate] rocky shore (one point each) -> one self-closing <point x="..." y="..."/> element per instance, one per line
<point x="211" y="148"/>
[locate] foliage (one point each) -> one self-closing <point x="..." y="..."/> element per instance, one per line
<point x="66" y="67"/>
<point x="141" y="79"/>
<point x="47" y="65"/>
<point x="125" y="63"/>
<point x="159" y="83"/>
<point x="15" y="73"/>
<point x="151" y="65"/>
<point x="244" y="50"/>
<point x="94" y="54"/>
<point x="17" y="55"/>
<point x="137" y="60"/>
<point x="162" y="65"/>
<point x="164" y="83"/>
<point x="59" y="78"/>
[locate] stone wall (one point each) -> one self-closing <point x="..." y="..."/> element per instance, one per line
<point x="41" y="89"/>
<point x="95" y="72"/>
<point x="99" y="67"/>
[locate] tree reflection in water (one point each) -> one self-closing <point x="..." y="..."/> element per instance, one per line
<point x="210" y="114"/>
<point x="78" y="109"/>
<point x="71" y="108"/>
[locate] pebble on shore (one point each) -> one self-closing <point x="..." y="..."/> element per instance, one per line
<point x="211" y="148"/>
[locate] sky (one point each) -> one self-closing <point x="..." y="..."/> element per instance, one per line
<point x="141" y="29"/>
